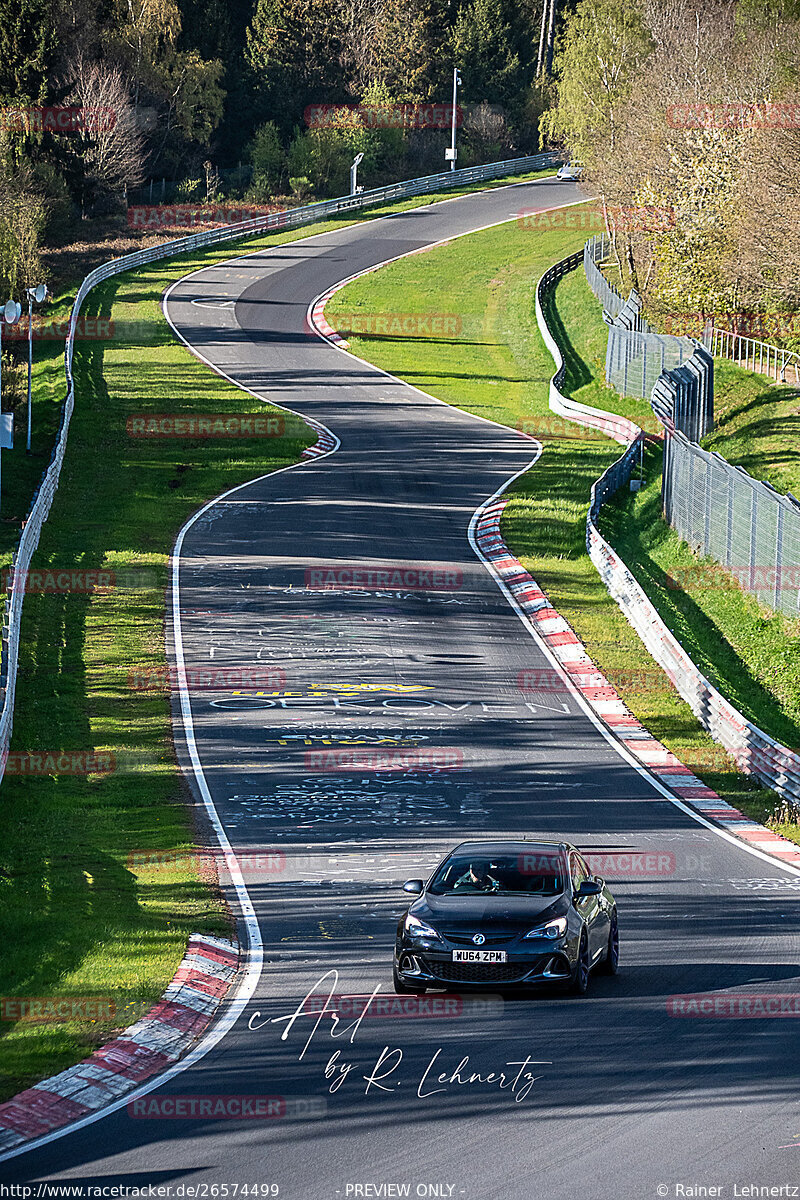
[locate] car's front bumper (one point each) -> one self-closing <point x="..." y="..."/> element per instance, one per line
<point x="423" y="966"/>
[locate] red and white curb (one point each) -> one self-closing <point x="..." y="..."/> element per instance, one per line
<point x="321" y="325"/>
<point x="153" y="1044"/>
<point x="565" y="646"/>
<point x="326" y="441"/>
<point x="560" y="638"/>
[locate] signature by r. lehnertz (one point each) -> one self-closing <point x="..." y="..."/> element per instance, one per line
<point x="516" y="1076"/>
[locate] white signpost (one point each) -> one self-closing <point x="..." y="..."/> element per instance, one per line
<point x="9" y="315"/>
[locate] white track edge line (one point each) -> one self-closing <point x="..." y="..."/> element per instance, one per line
<point x="255" y="951"/>
<point x="580" y="700"/>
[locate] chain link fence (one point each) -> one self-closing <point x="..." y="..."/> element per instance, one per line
<point x="719" y="510"/>
<point x="712" y="511"/>
<point x="595" y="252"/>
<point x="722" y="513"/>
<point x="635" y="354"/>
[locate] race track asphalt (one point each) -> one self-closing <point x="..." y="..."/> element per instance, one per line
<point x="625" y="1097"/>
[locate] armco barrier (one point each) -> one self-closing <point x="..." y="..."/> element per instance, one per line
<point x="290" y="219"/>
<point x="754" y="751"/>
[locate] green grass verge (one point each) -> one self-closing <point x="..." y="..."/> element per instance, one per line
<point x="81" y="913"/>
<point x="757" y="425"/>
<point x="498" y="367"/>
<point x="20" y="472"/>
<point x="78" y="916"/>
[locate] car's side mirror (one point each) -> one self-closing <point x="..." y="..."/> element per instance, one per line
<point x="415" y="886"/>
<point x="590" y="887"/>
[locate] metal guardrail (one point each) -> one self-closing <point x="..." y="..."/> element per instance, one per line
<point x="752" y="354"/>
<point x="753" y="750"/>
<point x="290" y="219"/>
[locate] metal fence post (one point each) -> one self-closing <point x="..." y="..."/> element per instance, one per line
<point x="753" y="541"/>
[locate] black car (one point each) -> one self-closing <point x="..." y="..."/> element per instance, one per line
<point x="510" y="914"/>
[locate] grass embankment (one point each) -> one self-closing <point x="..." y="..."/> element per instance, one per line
<point x="21" y="473"/>
<point x="498" y="367"/>
<point x="80" y="917"/>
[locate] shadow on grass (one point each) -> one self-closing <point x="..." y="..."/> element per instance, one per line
<point x="637" y="536"/>
<point x="577" y="372"/>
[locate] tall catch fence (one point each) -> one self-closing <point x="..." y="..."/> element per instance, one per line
<point x="719" y="510"/>
<point x="755" y="752"/>
<point x="636" y="355"/>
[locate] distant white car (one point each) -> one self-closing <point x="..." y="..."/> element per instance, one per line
<point x="570" y="171"/>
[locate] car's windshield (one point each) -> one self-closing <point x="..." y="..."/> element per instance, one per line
<point x="532" y="873"/>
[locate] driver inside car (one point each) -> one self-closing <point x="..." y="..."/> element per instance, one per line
<point x="477" y="877"/>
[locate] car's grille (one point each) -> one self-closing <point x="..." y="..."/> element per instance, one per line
<point x="478" y="972"/>
<point x="465" y="939"/>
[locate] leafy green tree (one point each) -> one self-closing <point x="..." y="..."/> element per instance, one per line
<point x="493" y="44"/>
<point x="603" y="47"/>
<point x="293" y="48"/>
<point x="29" y="47"/>
<point x="268" y="159"/>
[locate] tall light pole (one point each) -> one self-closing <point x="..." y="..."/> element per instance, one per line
<point x="451" y="154"/>
<point x="38" y="294"/>
<point x="9" y="315"/>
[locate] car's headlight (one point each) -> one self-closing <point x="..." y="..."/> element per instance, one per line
<point x="419" y="929"/>
<point x="553" y="929"/>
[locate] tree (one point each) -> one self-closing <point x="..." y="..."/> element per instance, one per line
<point x="483" y="47"/>
<point x="293" y="50"/>
<point x="268" y="159"/>
<point x="604" y="44"/>
<point x="22" y="217"/>
<point x="112" y="145"/>
<point x="30" y="43"/>
<point x="144" y="40"/>
<point x="142" y="34"/>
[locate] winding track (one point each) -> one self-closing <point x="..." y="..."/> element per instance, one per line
<point x="627" y="1098"/>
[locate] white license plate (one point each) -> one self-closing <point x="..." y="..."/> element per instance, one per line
<point x="479" y="956"/>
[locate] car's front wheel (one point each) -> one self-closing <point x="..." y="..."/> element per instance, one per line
<point x="611" y="962"/>
<point x="580" y="980"/>
<point x="405" y="989"/>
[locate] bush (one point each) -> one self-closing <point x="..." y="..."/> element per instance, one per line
<point x="300" y="185"/>
<point x="188" y="190"/>
<point x="268" y="159"/>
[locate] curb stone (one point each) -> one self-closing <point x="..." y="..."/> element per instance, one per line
<point x="570" y="652"/>
<point x="152" y="1044"/>
<point x="567" y="648"/>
